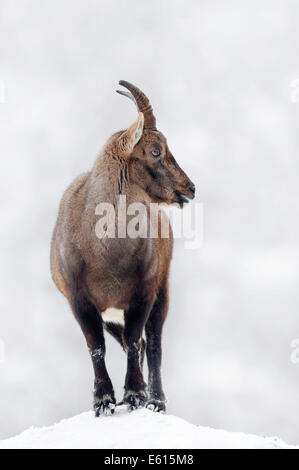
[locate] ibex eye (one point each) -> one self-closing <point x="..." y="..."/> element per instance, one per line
<point x="156" y="152"/>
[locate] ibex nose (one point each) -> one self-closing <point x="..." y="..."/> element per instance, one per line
<point x="191" y="189"/>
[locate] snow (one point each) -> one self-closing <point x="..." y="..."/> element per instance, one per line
<point x="139" y="429"/>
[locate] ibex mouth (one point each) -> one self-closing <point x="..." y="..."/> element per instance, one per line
<point x="182" y="198"/>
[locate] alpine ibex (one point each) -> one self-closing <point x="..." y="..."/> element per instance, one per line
<point x="121" y="284"/>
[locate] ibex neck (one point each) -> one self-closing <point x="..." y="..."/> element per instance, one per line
<point x="110" y="176"/>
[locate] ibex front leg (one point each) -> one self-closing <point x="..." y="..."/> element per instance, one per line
<point x="92" y="327"/>
<point x="135" y="319"/>
<point x="153" y="331"/>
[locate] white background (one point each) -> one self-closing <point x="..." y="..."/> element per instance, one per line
<point x="219" y="76"/>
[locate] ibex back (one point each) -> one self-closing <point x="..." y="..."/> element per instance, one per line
<point x="121" y="284"/>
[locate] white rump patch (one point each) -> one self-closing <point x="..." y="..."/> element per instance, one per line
<point x="113" y="315"/>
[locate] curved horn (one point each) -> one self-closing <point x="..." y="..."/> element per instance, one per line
<point x="142" y="103"/>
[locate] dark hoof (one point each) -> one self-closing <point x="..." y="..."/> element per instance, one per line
<point x="156" y="405"/>
<point x="135" y="400"/>
<point x="104" y="406"/>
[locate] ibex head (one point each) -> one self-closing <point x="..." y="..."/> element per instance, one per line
<point x="152" y="165"/>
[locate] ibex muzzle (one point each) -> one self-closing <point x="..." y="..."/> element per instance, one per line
<point x="121" y="284"/>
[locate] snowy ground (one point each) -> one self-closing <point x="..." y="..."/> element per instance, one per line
<point x="140" y="429"/>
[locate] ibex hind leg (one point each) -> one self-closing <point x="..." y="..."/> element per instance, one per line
<point x="92" y="328"/>
<point x="117" y="331"/>
<point x="135" y="318"/>
<point x="153" y="329"/>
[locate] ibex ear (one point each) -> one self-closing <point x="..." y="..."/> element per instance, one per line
<point x="132" y="135"/>
<point x="138" y="128"/>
